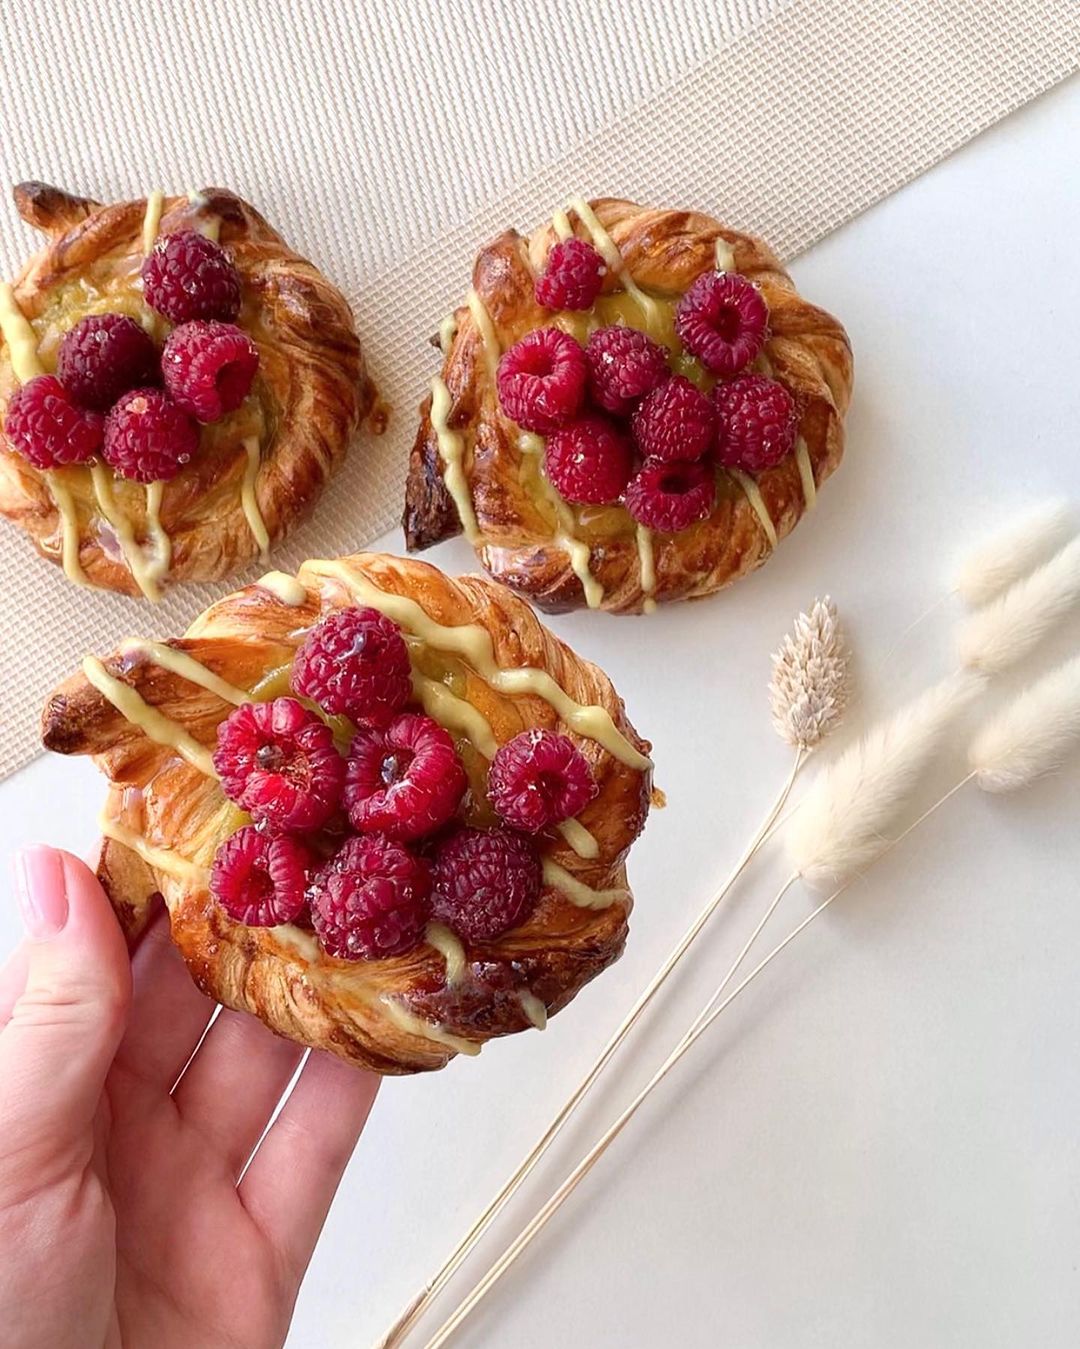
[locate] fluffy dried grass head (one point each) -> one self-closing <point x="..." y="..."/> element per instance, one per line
<point x="811" y="677"/>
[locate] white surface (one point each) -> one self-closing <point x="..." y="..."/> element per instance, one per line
<point x="878" y="1146"/>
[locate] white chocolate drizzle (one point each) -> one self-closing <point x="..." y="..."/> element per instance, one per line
<point x="26" y="365"/>
<point x="171" y="863"/>
<point x="560" y="223"/>
<point x="249" y="500"/>
<point x="648" y="567"/>
<point x="160" y="543"/>
<point x="154" y="724"/>
<point x="411" y="1024"/>
<point x="447" y="333"/>
<point x="579" y="838"/>
<point x="605" y="246"/>
<point x="576" y="550"/>
<point x="452" y="453"/>
<point x="806" y="474"/>
<point x="488" y="336"/>
<point x="533" y="1008"/>
<point x="146" y="574"/>
<point x="757" y="503"/>
<point x="577" y="892"/>
<point x="187" y="667"/>
<point x="725" y="255"/>
<point x="284" y="587"/>
<point x="152" y="219"/>
<point x="209" y="225"/>
<point x="450" y="948"/>
<point x="474" y="644"/>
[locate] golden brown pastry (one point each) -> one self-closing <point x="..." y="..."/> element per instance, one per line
<point x="439" y="863"/>
<point x="128" y="492"/>
<point x="581" y="460"/>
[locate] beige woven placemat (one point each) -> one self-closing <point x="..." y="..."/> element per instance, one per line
<point x="388" y="140"/>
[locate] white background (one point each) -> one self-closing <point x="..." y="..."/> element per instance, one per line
<point x="877" y="1146"/>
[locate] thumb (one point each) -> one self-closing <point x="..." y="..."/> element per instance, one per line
<point x="66" y="1025"/>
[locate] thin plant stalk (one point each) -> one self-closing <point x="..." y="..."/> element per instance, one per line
<point x="705" y="1019"/>
<point x="396" y="1334"/>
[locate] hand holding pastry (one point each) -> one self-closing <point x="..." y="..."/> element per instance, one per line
<point x="121" y="1216"/>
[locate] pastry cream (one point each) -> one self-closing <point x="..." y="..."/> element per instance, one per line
<point x="447" y="333"/>
<point x="145" y="573"/>
<point x="187" y="667"/>
<point x="152" y="219"/>
<point x="577" y="892"/>
<point x="757" y="501"/>
<point x="486" y="328"/>
<point x="249" y="500"/>
<point x="154" y="724"/>
<point x="450" y="948"/>
<point x="605" y="246"/>
<point x="171" y="863"/>
<point x="577" y="550"/>
<point x="284" y="587"/>
<point x="22" y="342"/>
<point x="725" y="255"/>
<point x="452" y="453"/>
<point x="806" y="474"/>
<point x="533" y="1008"/>
<point x="648" y="566"/>
<point x="414" y="1025"/>
<point x="473" y="642"/>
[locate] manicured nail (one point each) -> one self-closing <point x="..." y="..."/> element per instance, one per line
<point x="39" y="883"/>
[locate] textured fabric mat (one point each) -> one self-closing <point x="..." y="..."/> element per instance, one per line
<point x="388" y="140"/>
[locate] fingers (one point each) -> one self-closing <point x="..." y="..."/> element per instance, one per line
<point x="234" y="1082"/>
<point x="294" y="1176"/>
<point x="66" y="1023"/>
<point x="168" y="1013"/>
<point x="13" y="981"/>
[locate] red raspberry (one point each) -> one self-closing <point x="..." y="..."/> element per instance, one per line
<point x="404" y="781"/>
<point x="486" y="881"/>
<point x="208" y="367"/>
<point x="370" y="900"/>
<point x="624" y="364"/>
<point x="572" y="276"/>
<point x="589" y="460"/>
<point x="46" y="425"/>
<point x="147" y="437"/>
<point x="189" y="276"/>
<point x="722" y="319"/>
<point x="539" y="778"/>
<point x="669" y="496"/>
<point x="675" y="421"/>
<point x="261" y="879"/>
<point x="355" y="663"/>
<point x="757" y="423"/>
<point x="278" y="762"/>
<point x="103" y="356"/>
<point x="541" y="380"/>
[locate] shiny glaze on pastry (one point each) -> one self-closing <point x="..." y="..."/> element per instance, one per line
<point x="486" y="669"/>
<point x="258" y="470"/>
<point x="475" y="472"/>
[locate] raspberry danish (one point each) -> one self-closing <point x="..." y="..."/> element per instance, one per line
<point x="635" y="406"/>
<point x="176" y="384"/>
<point x="388" y="811"/>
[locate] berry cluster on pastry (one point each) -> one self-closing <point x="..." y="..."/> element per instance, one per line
<point x="388" y="811"/>
<point x="175" y="386"/>
<point x="635" y="406"/>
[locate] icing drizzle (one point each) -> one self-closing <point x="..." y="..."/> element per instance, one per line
<point x="452" y="453"/>
<point x="757" y="502"/>
<point x="249" y="500"/>
<point x="154" y="724"/>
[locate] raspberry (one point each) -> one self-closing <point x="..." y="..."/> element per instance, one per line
<point x="670" y="496"/>
<point x="103" y="356"/>
<point x="147" y="437"/>
<point x="589" y="460"/>
<point x="261" y="879"/>
<point x="541" y="380"/>
<point x="486" y="881"/>
<point x="757" y="423"/>
<point x="355" y="663"/>
<point x="722" y="319"/>
<point x="277" y="760"/>
<point x="539" y="778"/>
<point x="404" y="781"/>
<point x="623" y="364"/>
<point x="47" y="427"/>
<point x="189" y="276"/>
<point x="572" y="276"/>
<point x="370" y="900"/>
<point x="208" y="367"/>
<point x="675" y="421"/>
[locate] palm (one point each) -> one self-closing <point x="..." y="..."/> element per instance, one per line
<point x="199" y="1259"/>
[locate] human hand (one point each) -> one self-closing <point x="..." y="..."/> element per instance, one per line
<point x="122" y="1222"/>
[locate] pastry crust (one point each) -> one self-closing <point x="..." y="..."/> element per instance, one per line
<point x="165" y="818"/>
<point x="310" y="394"/>
<point x="663" y="252"/>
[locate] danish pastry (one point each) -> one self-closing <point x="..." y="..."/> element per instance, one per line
<point x="176" y="384"/>
<point x="635" y="406"/>
<point x="388" y="811"/>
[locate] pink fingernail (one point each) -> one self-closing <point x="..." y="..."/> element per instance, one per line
<point x="39" y="883"/>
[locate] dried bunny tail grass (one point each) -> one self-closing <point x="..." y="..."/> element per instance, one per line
<point x="842" y="822"/>
<point x="1007" y="630"/>
<point x="811" y="677"/>
<point x="1012" y="554"/>
<point x="1033" y="734"/>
